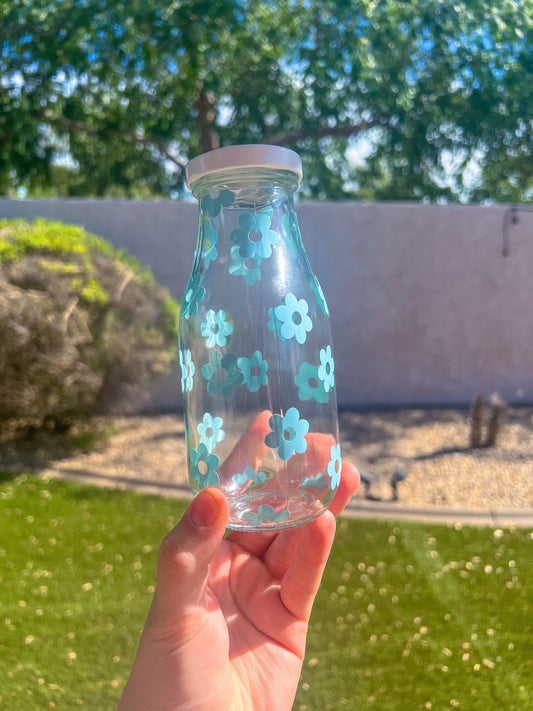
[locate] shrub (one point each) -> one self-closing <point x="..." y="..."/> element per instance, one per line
<point x="83" y="326"/>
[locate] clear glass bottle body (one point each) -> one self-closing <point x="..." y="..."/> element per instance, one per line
<point x="255" y="350"/>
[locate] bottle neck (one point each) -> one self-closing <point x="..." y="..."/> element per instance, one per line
<point x="243" y="214"/>
<point x="246" y="188"/>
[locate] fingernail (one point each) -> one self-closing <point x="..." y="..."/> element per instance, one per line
<point x="204" y="509"/>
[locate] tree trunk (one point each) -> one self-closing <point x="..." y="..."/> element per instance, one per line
<point x="205" y="120"/>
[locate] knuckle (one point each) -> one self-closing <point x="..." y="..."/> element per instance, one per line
<point x="175" y="559"/>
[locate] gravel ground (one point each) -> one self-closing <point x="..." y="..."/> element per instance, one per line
<point x="443" y="471"/>
<point x="431" y="445"/>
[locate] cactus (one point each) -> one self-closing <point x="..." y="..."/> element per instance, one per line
<point x="498" y="406"/>
<point x="477" y="414"/>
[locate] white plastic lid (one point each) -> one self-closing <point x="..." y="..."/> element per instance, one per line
<point x="247" y="156"/>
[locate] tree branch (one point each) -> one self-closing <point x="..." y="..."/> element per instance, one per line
<point x="205" y="119"/>
<point x="286" y="139"/>
<point x="132" y="136"/>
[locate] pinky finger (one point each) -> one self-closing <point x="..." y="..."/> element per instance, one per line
<point x="348" y="485"/>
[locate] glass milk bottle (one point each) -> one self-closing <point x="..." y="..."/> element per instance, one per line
<point x="257" y="370"/>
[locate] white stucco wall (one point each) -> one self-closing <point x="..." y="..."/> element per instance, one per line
<point x="425" y="310"/>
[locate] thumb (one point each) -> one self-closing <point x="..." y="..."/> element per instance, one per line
<point x="186" y="552"/>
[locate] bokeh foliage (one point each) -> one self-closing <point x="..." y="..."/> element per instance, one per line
<point x="439" y="94"/>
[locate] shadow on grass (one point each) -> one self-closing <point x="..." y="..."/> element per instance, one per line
<point x="33" y="450"/>
<point x="7" y="476"/>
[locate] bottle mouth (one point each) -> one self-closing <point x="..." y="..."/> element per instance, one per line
<point x="244" y="156"/>
<point x="249" y="187"/>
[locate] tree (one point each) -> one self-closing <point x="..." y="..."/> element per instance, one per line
<point x="433" y="99"/>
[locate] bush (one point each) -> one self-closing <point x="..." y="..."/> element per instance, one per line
<point x="83" y="326"/>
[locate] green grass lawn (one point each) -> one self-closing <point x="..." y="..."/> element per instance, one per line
<point x="410" y="616"/>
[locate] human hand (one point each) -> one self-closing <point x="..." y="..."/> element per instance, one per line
<point x="227" y="627"/>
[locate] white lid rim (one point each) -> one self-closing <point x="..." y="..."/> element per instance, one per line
<point x="243" y="156"/>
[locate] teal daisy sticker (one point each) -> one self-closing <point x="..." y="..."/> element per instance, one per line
<point x="289" y="232"/>
<point x="254" y="236"/>
<point x="245" y="267"/>
<point x="194" y="293"/>
<point x="317" y="482"/>
<point x="210" y="431"/>
<point x="326" y="369"/>
<point x="287" y="433"/>
<point x="309" y="384"/>
<point x="295" y="323"/>
<point x="320" y="296"/>
<point x="254" y="371"/>
<point x="187" y="370"/>
<point x="213" y="203"/>
<point x="335" y="465"/>
<point x="249" y="474"/>
<point x="204" y="467"/>
<point x="209" y="247"/>
<point x="222" y="374"/>
<point x="266" y="513"/>
<point x="215" y="329"/>
<point x="274" y="324"/>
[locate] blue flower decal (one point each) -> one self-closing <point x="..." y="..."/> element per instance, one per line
<point x="314" y="482"/>
<point x="215" y="328"/>
<point x="309" y="384"/>
<point x="194" y="293"/>
<point x="320" y="296"/>
<point x="215" y="201"/>
<point x="335" y="465"/>
<point x="255" y="236"/>
<point x="266" y="513"/>
<point x="204" y="467"/>
<point x="249" y="474"/>
<point x="254" y="371"/>
<point x="293" y="316"/>
<point x="187" y="370"/>
<point x="289" y="234"/>
<point x="274" y="324"/>
<point x="287" y="433"/>
<point x="326" y="369"/>
<point x="247" y="267"/>
<point x="210" y="431"/>
<point x="222" y="374"/>
<point x="209" y="249"/>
